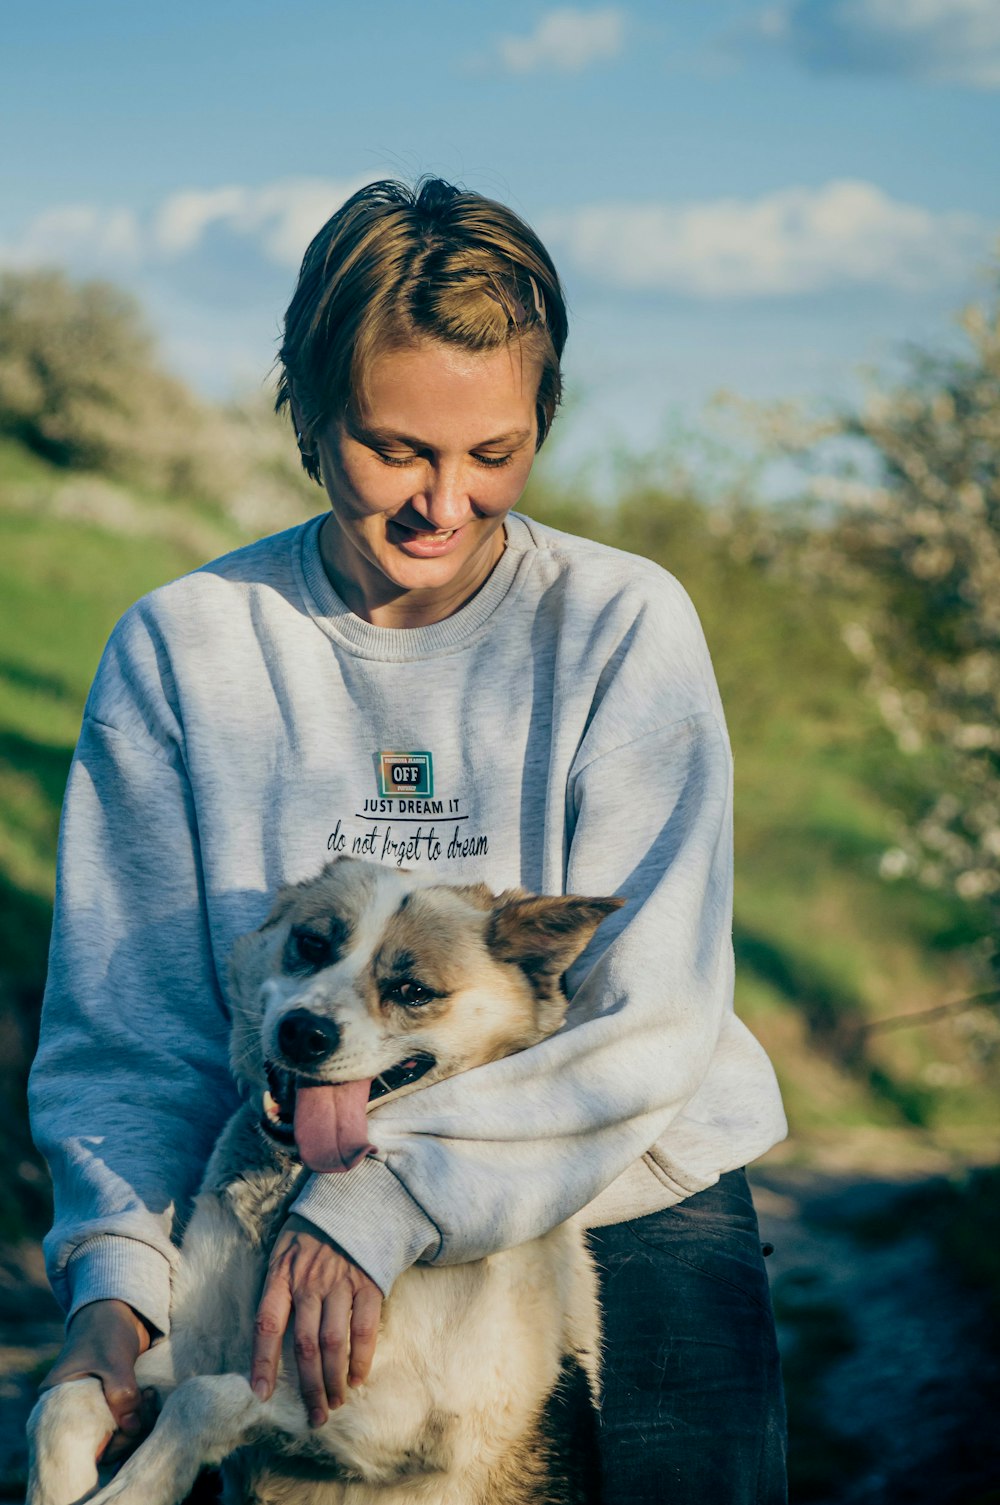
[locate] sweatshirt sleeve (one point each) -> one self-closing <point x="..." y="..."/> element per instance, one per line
<point x="131" y="1083"/>
<point x="501" y="1154"/>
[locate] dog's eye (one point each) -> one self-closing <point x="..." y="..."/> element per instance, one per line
<point x="310" y="948"/>
<point x="307" y="950"/>
<point x="409" y="993"/>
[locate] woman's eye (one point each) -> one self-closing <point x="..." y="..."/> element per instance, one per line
<point x="400" y="461"/>
<point x="410" y="993"/>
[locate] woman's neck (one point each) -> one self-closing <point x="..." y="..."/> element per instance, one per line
<point x="374" y="598"/>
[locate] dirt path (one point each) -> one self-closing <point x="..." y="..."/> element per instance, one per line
<point x="891" y="1363"/>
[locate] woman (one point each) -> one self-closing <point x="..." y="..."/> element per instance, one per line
<point x="423" y="677"/>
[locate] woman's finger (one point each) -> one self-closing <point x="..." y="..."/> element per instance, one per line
<point x="268" y="1331"/>
<point x="122" y="1395"/>
<point x="364" y="1331"/>
<point x="121" y="1443"/>
<point x="308" y="1311"/>
<point x="335" y="1342"/>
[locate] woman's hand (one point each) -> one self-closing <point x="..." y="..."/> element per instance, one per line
<point x="103" y="1340"/>
<point x="337" y="1309"/>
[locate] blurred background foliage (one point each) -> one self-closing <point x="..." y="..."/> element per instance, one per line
<point x="854" y="629"/>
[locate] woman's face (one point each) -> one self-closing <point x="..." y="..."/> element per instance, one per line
<point x="421" y="481"/>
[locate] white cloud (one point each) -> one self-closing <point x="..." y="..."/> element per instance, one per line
<point x="937" y="41"/>
<point x="72" y="233"/>
<point x="797" y="240"/>
<point x="278" y="218"/>
<point x="567" y="40"/>
<point x="183" y="218"/>
<point x="281" y="217"/>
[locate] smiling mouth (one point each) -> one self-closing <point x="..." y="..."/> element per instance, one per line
<point x="278" y="1118"/>
<point x="406" y="536"/>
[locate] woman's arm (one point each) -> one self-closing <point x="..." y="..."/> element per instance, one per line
<point x="131" y="1083"/>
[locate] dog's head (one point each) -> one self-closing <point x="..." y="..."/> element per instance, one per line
<point x="367" y="980"/>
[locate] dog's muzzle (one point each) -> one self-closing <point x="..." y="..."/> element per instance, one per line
<point x="282" y="1121"/>
<point x="305" y="1039"/>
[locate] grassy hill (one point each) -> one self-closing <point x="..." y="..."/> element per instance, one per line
<point x="75" y="551"/>
<point x="828" y="951"/>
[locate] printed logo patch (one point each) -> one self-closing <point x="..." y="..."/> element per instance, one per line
<point x="405" y="773"/>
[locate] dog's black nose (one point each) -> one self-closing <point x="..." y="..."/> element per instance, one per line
<point x="305" y="1039"/>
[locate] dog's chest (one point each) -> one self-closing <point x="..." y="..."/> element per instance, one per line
<point x="465" y="1358"/>
<point x="473" y="1328"/>
<point x="253" y="1178"/>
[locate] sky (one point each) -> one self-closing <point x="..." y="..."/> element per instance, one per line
<point x="764" y="198"/>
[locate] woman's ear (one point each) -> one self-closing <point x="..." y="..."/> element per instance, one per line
<point x="297" y="417"/>
<point x="306" y="442"/>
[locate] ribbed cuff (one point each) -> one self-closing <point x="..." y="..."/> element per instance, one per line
<point x="372" y="1217"/>
<point x="108" y="1267"/>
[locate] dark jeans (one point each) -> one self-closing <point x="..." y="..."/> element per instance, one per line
<point x="693" y="1411"/>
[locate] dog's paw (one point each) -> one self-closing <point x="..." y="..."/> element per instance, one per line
<point x="67" y="1431"/>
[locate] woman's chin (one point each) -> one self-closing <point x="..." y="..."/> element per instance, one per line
<point x="428" y="574"/>
<point x="451" y="563"/>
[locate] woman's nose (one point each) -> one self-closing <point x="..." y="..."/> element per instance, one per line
<point x="444" y="499"/>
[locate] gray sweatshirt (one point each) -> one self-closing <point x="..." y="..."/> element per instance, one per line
<point x="562" y="731"/>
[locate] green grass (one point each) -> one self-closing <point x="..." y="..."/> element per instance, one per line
<point x="63" y="584"/>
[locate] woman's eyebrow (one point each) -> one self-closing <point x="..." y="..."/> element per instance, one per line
<point x="389" y="436"/>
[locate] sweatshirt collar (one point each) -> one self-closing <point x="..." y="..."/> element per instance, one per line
<point x="398" y="643"/>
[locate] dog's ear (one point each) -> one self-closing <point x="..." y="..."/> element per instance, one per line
<point x="543" y="935"/>
<point x="290" y="893"/>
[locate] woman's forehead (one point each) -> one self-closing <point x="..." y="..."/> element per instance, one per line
<point x="433" y="386"/>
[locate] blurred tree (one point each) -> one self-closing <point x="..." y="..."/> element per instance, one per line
<point x="81" y="385"/>
<point x="916" y="515"/>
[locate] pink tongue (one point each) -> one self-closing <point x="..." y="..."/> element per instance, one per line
<point x="331" y="1128"/>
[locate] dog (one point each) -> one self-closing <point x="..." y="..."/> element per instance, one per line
<point x="362" y="984"/>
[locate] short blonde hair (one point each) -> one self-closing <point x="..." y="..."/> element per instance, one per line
<point x="396" y="265"/>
